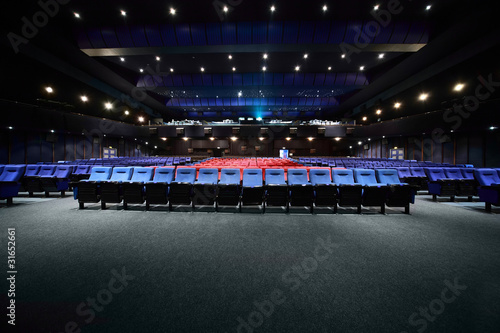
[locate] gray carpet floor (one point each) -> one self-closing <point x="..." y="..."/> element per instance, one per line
<point x="230" y="272"/>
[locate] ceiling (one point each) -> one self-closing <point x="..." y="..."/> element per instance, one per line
<point x="298" y="61"/>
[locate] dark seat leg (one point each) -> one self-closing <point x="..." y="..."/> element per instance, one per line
<point x="9" y="201"/>
<point x="359" y="209"/>
<point x="434" y="197"/>
<point x="407" y="209"/>
<point x="81" y="205"/>
<point x="147" y="205"/>
<point x="103" y="205"/>
<point x="382" y="209"/>
<point x="488" y="207"/>
<point x="125" y="206"/>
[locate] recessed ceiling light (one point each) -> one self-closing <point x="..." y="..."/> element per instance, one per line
<point x="10" y="127"/>
<point x="230" y="57"/>
<point x="381" y="55"/>
<point x="141" y="70"/>
<point x="185" y="138"/>
<point x="212" y="138"/>
<point x="360" y="143"/>
<point x="127" y="112"/>
<point x="234" y="69"/>
<point x="493" y="128"/>
<point x="397" y="105"/>
<point x="141" y="119"/>
<point x="350" y="147"/>
<point x="264" y="56"/>
<point x="233" y="138"/>
<point x="337" y="139"/>
<point x="306" y="56"/>
<point x="172" y="11"/>
<point x="361" y="68"/>
<point x="158" y="58"/>
<point x="124" y="13"/>
<point x="369" y="139"/>
<point x="273" y="8"/>
<point x="76" y="15"/>
<point x="202" y="69"/>
<point x="329" y="68"/>
<point x="52" y="131"/>
<point x="122" y="59"/>
<point x="240" y="93"/>
<point x="310" y="138"/>
<point x="225" y="9"/>
<point x="342" y="56"/>
<point x="297" y="68"/>
<point x="423" y="96"/>
<point x="365" y="118"/>
<point x="375" y="7"/>
<point x="288" y="138"/>
<point x="428" y="7"/>
<point x="108" y="105"/>
<point x="378" y="111"/>
<point x="264" y="68"/>
<point x="156" y="147"/>
<point x="261" y="138"/>
<point x="325" y="8"/>
<point x="49" y="90"/>
<point x="84" y="98"/>
<point x="459" y="86"/>
<point x="171" y="70"/>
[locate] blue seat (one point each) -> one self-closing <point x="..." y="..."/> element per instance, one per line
<point x="468" y="173"/>
<point x="157" y="189"/>
<point x="88" y="190"/>
<point x="229" y="187"/>
<point x="58" y="181"/>
<point x="181" y="189"/>
<point x="205" y="187"/>
<point x="33" y="184"/>
<point x="10" y="182"/>
<point x="253" y="188"/>
<point x="112" y="189"/>
<point x="489" y="187"/>
<point x="349" y="193"/>
<point x="134" y="189"/>
<point x="399" y="194"/>
<point x="325" y="190"/>
<point x="81" y="172"/>
<point x="276" y="188"/>
<point x="300" y="188"/>
<point x="374" y="193"/>
<point x="1" y="168"/>
<point x="439" y="184"/>
<point x="419" y="173"/>
<point x="464" y="187"/>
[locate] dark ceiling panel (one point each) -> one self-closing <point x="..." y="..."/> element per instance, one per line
<point x="330" y="79"/>
<point x="288" y="80"/>
<point x="214" y="34"/>
<point x="83" y="40"/>
<point x="309" y="79"/>
<point x="227" y="80"/>
<point x="306" y="32"/>
<point x="416" y="31"/>
<point x="259" y="32"/>
<point x="322" y="32"/>
<point x="207" y="80"/>
<point x="275" y="31"/>
<point x="228" y="33"/>
<point x="244" y="32"/>
<point x="237" y="80"/>
<point x="319" y="79"/>
<point x="352" y="32"/>
<point x="186" y="80"/>
<point x="138" y="36"/>
<point x="217" y="80"/>
<point x="168" y="34"/>
<point x="291" y="32"/>
<point x="96" y="38"/>
<point x="400" y="32"/>
<point x="153" y="35"/>
<point x="197" y="81"/>
<point x="183" y="34"/>
<point x="109" y="36"/>
<point x="198" y="34"/>
<point x="337" y="32"/>
<point x="384" y="34"/>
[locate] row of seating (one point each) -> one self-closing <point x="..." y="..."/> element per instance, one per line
<point x="208" y="186"/>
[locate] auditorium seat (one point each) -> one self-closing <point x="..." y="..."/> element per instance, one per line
<point x="464" y="187"/>
<point x="252" y="192"/>
<point x="325" y="190"/>
<point x="422" y="177"/>
<point x="374" y="193"/>
<point x="88" y="190"/>
<point x="399" y="194"/>
<point x="404" y="174"/>
<point x="205" y="187"/>
<point x="300" y="188"/>
<point x="58" y="181"/>
<point x="81" y="172"/>
<point x="229" y="187"/>
<point x="276" y="188"/>
<point x="440" y="184"/>
<point x="134" y="190"/>
<point x="349" y="193"/>
<point x="157" y="189"/>
<point x="33" y="183"/>
<point x="489" y="187"/>
<point x="112" y="190"/>
<point x="181" y="189"/>
<point x="10" y="182"/>
<point x="1" y="168"/>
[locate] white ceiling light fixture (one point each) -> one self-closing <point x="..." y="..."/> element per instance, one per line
<point x="76" y="15"/>
<point x="325" y="8"/>
<point x="264" y="68"/>
<point x="124" y="13"/>
<point x="381" y="55"/>
<point x="84" y="98"/>
<point x="273" y="8"/>
<point x="172" y="11"/>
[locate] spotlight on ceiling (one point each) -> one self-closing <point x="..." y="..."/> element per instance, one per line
<point x="233" y="138"/>
<point x="342" y="56"/>
<point x="360" y="143"/>
<point x="378" y="111"/>
<point x="310" y="138"/>
<point x="397" y="105"/>
<point x="108" y="106"/>
<point x="202" y="69"/>
<point x="212" y="139"/>
<point x="225" y="9"/>
<point x="124" y="13"/>
<point x="140" y="119"/>
<point x="172" y="11"/>
<point x="459" y="87"/>
<point x="234" y="69"/>
<point x="381" y="55"/>
<point x="84" y="98"/>
<point x="329" y="68"/>
<point x="492" y="128"/>
<point x="325" y="8"/>
<point x="337" y="139"/>
<point x="122" y="59"/>
<point x="230" y="57"/>
<point x="365" y="118"/>
<point x="240" y="93"/>
<point x="273" y="8"/>
<point x="126" y="112"/>
<point x="158" y="58"/>
<point x="141" y="70"/>
<point x="306" y="56"/>
<point x="288" y="138"/>
<point x="185" y="138"/>
<point x="265" y="56"/>
<point x="361" y="68"/>
<point x="428" y="7"/>
<point x="171" y="70"/>
<point x="264" y="68"/>
<point x="49" y="90"/>
<point x="76" y="15"/>
<point x="297" y="68"/>
<point x="423" y="96"/>
<point x="375" y="7"/>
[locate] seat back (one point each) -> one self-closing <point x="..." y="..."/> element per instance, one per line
<point x="11" y="173"/>
<point x="365" y="176"/>
<point x="343" y="176"/>
<point x="486" y="177"/>
<point x="142" y="175"/>
<point x="435" y="174"/>
<point x="208" y="176"/>
<point x="82" y="170"/>
<point x="1" y="168"/>
<point x="121" y="174"/>
<point x="32" y="170"/>
<point x="164" y="175"/>
<point x="252" y="177"/>
<point x="467" y="173"/>
<point x="297" y="176"/>
<point x="230" y="176"/>
<point x="320" y="176"/>
<point x="47" y="170"/>
<point x="387" y="176"/>
<point x="100" y="173"/>
<point x="275" y="177"/>
<point x="453" y="173"/>
<point x="186" y="175"/>
<point x="63" y="171"/>
<point x="417" y="172"/>
<point x="404" y="172"/>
